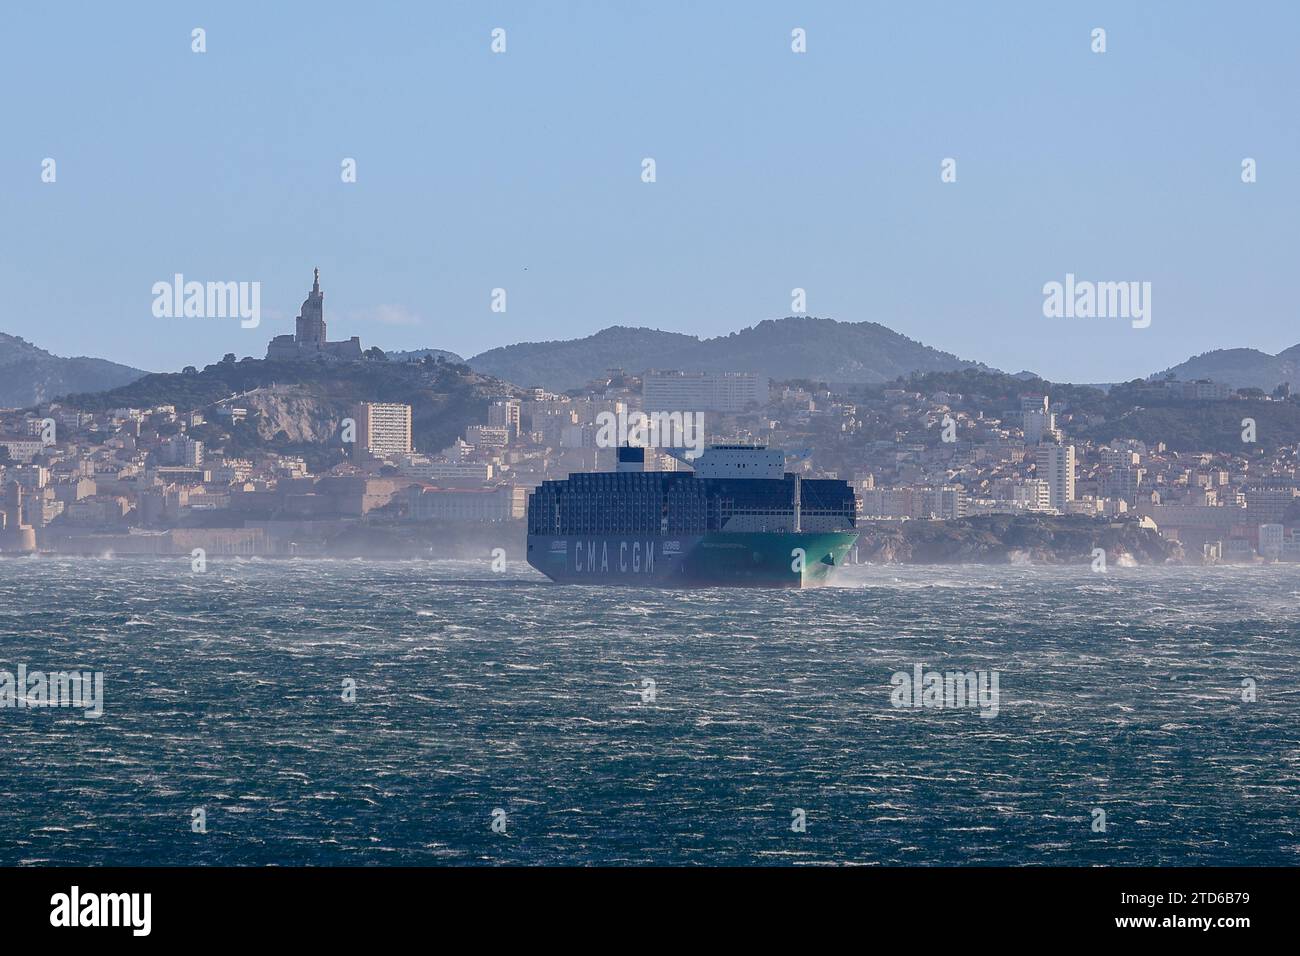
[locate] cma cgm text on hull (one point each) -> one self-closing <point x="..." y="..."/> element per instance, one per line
<point x="737" y="520"/>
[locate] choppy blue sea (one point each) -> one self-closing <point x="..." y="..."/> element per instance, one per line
<point x="478" y="692"/>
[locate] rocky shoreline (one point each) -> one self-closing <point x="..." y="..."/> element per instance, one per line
<point x="986" y="539"/>
<point x="1011" y="539"/>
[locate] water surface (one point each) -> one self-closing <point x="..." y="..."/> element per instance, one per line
<point x="478" y="691"/>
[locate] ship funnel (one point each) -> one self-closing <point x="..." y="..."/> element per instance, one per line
<point x="631" y="459"/>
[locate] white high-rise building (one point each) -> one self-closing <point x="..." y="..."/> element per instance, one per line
<point x="1056" y="467"/>
<point x="1120" y="457"/>
<point x="1034" y="403"/>
<point x="384" y="429"/>
<point x="1033" y="494"/>
<point x="701" y="391"/>
<point x="1126" y="482"/>
<point x="182" y="450"/>
<point x="1039" y="426"/>
<point x="946" y="502"/>
<point x="487" y="436"/>
<point x="505" y="413"/>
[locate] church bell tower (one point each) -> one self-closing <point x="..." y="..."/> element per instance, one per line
<point x="310" y="327"/>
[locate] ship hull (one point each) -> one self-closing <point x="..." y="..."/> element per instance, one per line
<point x="717" y="559"/>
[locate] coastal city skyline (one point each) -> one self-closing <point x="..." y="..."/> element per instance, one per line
<point x="555" y="209"/>
<point x="316" y="452"/>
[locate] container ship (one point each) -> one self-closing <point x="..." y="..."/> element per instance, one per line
<point x="738" y="519"/>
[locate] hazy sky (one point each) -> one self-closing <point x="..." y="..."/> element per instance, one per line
<point x="775" y="170"/>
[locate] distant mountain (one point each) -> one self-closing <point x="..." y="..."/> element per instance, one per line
<point x="570" y="363"/>
<point x="1241" y="368"/>
<point x="792" y="348"/>
<point x="31" y="375"/>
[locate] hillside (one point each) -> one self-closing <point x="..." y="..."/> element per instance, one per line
<point x="1200" y="426"/>
<point x="302" y="402"/>
<point x="1125" y="411"/>
<point x="414" y="355"/>
<point x="1241" y="368"/>
<point x="29" y="375"/>
<point x="791" y="348"/>
<point x="570" y="363"/>
<point x="997" y="393"/>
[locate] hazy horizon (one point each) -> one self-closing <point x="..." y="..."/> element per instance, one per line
<point x="775" y="170"/>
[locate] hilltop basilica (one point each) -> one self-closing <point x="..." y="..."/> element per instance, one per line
<point x="308" y="340"/>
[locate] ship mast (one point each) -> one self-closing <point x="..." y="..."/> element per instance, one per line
<point x="798" y="504"/>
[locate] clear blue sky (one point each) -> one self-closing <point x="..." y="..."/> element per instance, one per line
<point x="775" y="170"/>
